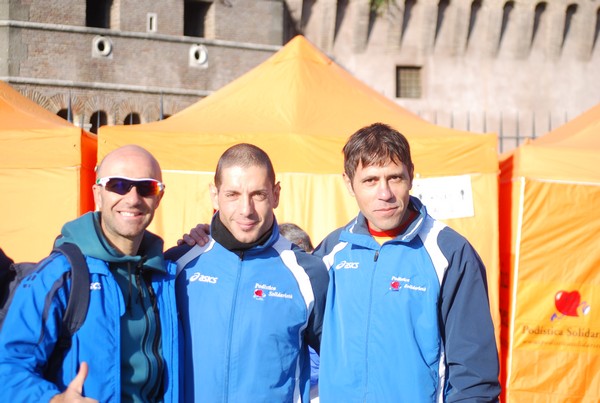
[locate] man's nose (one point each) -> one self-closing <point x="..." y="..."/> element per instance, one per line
<point x="247" y="205"/>
<point x="383" y="191"/>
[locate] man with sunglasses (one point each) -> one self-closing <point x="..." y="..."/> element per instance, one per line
<point x="129" y="340"/>
<point x="250" y="301"/>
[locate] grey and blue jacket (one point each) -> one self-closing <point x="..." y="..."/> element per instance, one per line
<point x="406" y="321"/>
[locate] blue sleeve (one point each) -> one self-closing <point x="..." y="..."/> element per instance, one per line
<point x="328" y="243"/>
<point x="466" y="325"/>
<point x="30" y="331"/>
<point x="319" y="280"/>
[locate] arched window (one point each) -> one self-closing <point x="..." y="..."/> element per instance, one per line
<point x="132" y="119"/>
<point x="98" y="119"/>
<point x="64" y="113"/>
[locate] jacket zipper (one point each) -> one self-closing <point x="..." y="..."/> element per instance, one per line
<point x="113" y="285"/>
<point x="375" y="257"/>
<point x="157" y="337"/>
<point x="231" y="328"/>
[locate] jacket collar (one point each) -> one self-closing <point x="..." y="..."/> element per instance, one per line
<point x="357" y="231"/>
<point x="222" y="235"/>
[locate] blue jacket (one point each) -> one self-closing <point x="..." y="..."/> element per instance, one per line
<point x="31" y="329"/>
<point x="248" y="318"/>
<point x="406" y="321"/>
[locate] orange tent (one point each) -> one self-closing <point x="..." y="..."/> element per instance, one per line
<point x="46" y="173"/>
<point x="550" y="260"/>
<point x="300" y="107"/>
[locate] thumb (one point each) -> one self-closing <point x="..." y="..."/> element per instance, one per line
<point x="77" y="382"/>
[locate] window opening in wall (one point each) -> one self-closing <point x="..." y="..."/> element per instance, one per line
<point x="198" y="56"/>
<point x="540" y="8"/>
<point x="97" y="13"/>
<point x="64" y="113"/>
<point x="408" y="82"/>
<point x="151" y="26"/>
<point x="195" y="13"/>
<point x="508" y="7"/>
<point x="475" y="8"/>
<point x="97" y="120"/>
<point x="442" y="7"/>
<point x="101" y="46"/>
<point x="571" y="10"/>
<point x="132" y="119"/>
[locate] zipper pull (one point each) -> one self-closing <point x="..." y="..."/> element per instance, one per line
<point x="376" y="256"/>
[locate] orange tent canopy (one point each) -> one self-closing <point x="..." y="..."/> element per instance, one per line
<point x="549" y="226"/>
<point x="300" y="100"/>
<point x="568" y="153"/>
<point x="46" y="171"/>
<point x="300" y="107"/>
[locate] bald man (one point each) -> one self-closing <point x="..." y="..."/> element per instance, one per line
<point x="127" y="349"/>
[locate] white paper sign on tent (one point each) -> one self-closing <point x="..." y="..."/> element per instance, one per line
<point x="445" y="197"/>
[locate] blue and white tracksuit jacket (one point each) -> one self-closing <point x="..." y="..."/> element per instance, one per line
<point x="248" y="320"/>
<point x="406" y="321"/>
<point x="32" y="325"/>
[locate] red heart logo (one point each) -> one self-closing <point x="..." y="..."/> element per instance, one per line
<point x="567" y="302"/>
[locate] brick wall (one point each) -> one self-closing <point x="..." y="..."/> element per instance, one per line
<point x="57" y="57"/>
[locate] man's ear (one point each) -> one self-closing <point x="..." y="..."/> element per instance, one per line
<point x="214" y="195"/>
<point x="97" y="191"/>
<point x="348" y="183"/>
<point x="276" y="191"/>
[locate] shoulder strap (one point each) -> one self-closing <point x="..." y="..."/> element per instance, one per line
<point x="77" y="306"/>
<point x="79" y="298"/>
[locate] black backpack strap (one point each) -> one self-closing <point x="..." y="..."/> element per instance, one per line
<point x="79" y="298"/>
<point x="77" y="306"/>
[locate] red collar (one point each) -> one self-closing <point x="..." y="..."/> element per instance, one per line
<point x="392" y="233"/>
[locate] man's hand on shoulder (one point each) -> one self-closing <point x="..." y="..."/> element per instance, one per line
<point x="75" y="388"/>
<point x="197" y="236"/>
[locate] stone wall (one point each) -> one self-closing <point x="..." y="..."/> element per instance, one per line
<point x="483" y="68"/>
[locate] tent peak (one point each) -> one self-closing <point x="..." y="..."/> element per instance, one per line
<point x="300" y="47"/>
